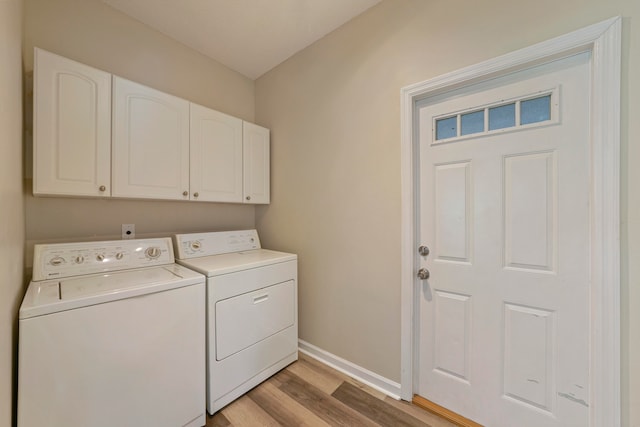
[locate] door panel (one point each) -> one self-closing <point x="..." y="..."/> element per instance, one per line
<point x="504" y="191"/>
<point x="530" y="211"/>
<point x="453" y="214"/>
<point x="528" y="355"/>
<point x="452" y="334"/>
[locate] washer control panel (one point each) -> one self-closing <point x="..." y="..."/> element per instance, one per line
<point x="53" y="261"/>
<point x="215" y="243"/>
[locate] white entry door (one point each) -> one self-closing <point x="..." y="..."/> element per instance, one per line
<point x="503" y="329"/>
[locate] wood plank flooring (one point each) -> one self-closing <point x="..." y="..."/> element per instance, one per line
<point x="309" y="393"/>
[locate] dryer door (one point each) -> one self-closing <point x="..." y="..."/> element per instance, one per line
<point x="246" y="319"/>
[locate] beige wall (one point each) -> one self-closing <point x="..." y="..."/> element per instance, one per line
<point x="93" y="33"/>
<point x="11" y="200"/>
<point x="334" y="112"/>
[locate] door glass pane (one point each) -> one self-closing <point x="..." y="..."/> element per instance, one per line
<point x="535" y="110"/>
<point x="502" y="117"/>
<point x="472" y="122"/>
<point x="446" y="128"/>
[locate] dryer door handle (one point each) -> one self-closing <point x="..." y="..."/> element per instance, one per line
<point x="260" y="298"/>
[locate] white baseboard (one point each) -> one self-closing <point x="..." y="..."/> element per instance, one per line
<point x="378" y="382"/>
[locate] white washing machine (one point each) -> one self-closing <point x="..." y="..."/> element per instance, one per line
<point x="112" y="334"/>
<point x="252" y="309"/>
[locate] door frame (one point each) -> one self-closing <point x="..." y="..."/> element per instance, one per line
<point x="603" y="41"/>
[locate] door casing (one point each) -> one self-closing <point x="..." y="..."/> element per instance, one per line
<point x="603" y="41"/>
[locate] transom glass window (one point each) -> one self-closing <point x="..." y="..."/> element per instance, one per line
<point x="502" y="116"/>
<point x="472" y="122"/>
<point x="535" y="110"/>
<point x="447" y="128"/>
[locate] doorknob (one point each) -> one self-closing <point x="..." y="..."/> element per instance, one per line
<point x="423" y="250"/>
<point x="423" y="274"/>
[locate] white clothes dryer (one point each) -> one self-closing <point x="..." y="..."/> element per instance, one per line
<point x="112" y="334"/>
<point x="252" y="309"/>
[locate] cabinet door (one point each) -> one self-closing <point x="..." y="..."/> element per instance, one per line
<point x="150" y="149"/>
<point x="256" y="163"/>
<point x="72" y="128"/>
<point x="216" y="156"/>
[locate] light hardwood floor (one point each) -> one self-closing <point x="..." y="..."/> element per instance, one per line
<point x="309" y="393"/>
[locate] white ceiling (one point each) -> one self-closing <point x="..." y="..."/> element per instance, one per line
<point x="249" y="36"/>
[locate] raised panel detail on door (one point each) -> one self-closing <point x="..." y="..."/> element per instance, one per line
<point x="72" y="127"/>
<point x="256" y="163"/>
<point x="216" y="156"/>
<point x="528" y="355"/>
<point x="452" y="334"/>
<point x="150" y="143"/>
<point x="530" y="211"/>
<point x="453" y="212"/>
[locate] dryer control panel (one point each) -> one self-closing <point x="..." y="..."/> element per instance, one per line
<point x="52" y="261"/>
<point x="215" y="243"/>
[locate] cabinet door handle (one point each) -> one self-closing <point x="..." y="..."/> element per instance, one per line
<point x="248" y="197"/>
<point x="185" y="193"/>
<point x="196" y="194"/>
<point x="102" y="188"/>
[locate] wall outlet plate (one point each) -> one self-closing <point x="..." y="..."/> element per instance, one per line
<point x="128" y="231"/>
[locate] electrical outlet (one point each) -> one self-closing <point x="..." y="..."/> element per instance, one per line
<point x="128" y="231"/>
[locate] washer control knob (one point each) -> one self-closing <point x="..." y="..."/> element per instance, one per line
<point x="56" y="261"/>
<point x="196" y="245"/>
<point x="79" y="259"/>
<point x="100" y="257"/>
<point x="153" y="252"/>
<point x="119" y="255"/>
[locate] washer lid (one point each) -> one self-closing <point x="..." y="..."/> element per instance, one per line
<point x="216" y="265"/>
<point x="46" y="297"/>
<point x="90" y="286"/>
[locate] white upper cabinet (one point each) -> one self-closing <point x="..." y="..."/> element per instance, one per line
<point x="100" y="135"/>
<point x="72" y="128"/>
<point x="216" y="156"/>
<point x="256" y="164"/>
<point x="150" y="148"/>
